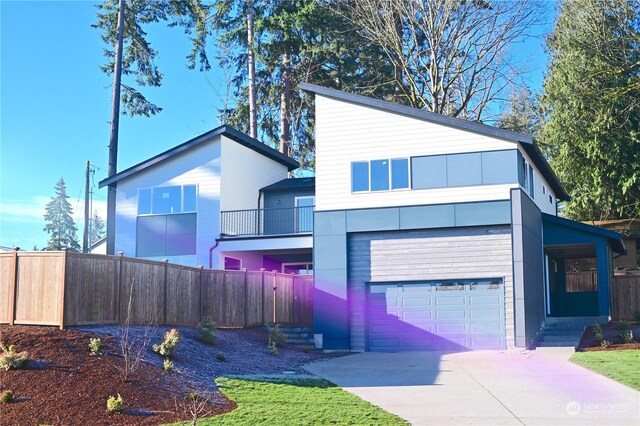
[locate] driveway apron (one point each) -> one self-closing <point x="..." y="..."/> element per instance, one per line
<point x="484" y="388"/>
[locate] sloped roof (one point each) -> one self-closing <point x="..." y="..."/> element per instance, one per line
<point x="228" y="131"/>
<point x="615" y="239"/>
<point x="526" y="141"/>
<point x="291" y="183"/>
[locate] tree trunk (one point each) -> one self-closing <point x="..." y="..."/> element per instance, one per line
<point x="113" y="141"/>
<point x="285" y="105"/>
<point x="253" y="114"/>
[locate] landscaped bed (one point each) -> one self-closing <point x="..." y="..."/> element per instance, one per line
<point x="612" y="336"/>
<point x="62" y="383"/>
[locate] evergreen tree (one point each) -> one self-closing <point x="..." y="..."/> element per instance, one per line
<point x="97" y="228"/>
<point x="59" y="221"/>
<point x="591" y="94"/>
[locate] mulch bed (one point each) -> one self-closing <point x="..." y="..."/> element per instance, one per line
<point x="63" y="384"/>
<point x="611" y="333"/>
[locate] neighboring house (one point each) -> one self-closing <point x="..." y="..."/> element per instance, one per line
<point x="432" y="232"/>
<point x="99" y="247"/>
<point x="630" y="231"/>
<point x="197" y="203"/>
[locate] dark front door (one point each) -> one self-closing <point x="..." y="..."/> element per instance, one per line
<point x="574" y="288"/>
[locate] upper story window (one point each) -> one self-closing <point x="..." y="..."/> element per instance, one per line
<point x="380" y="175"/>
<point x="167" y="200"/>
<point x="526" y="175"/>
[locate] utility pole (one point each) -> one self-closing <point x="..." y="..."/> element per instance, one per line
<point x="113" y="141"/>
<point x="85" y="235"/>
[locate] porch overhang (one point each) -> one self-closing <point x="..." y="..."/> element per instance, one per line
<point x="560" y="231"/>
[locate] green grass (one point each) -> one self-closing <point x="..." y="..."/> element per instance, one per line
<point x="296" y="401"/>
<point x="621" y="366"/>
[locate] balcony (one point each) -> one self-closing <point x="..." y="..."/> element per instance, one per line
<point x="267" y="222"/>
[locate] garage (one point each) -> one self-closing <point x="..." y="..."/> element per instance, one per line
<point x="436" y="315"/>
<point x="439" y="289"/>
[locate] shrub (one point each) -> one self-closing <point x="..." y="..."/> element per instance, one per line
<point x="94" y="346"/>
<point x="7" y="397"/>
<point x="167" y="365"/>
<point x="273" y="348"/>
<point x="622" y="326"/>
<point x="605" y="343"/>
<point x="221" y="357"/>
<point x="207" y="329"/>
<point x="596" y="328"/>
<point x="114" y="405"/>
<point x="599" y="337"/>
<point x="627" y="336"/>
<point x="276" y="335"/>
<point x="9" y="358"/>
<point x="168" y="345"/>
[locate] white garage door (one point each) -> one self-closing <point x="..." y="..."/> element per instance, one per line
<point x="436" y="315"/>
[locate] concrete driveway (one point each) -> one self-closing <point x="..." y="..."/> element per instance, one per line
<point x="484" y="388"/>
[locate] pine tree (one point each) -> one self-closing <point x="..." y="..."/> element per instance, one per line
<point x="97" y="228"/>
<point x="59" y="221"/>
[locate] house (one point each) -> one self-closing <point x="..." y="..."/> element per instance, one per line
<point x="630" y="231"/>
<point x="201" y="201"/>
<point x="432" y="232"/>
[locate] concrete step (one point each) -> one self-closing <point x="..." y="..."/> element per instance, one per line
<point x="562" y="332"/>
<point x="562" y="338"/>
<point x="575" y="322"/>
<point x="568" y="344"/>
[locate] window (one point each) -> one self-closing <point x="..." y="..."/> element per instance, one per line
<point x="531" y="182"/>
<point x="429" y="172"/>
<point x="232" y="264"/>
<point x="380" y="175"/>
<point x="464" y="169"/>
<point x="166" y="235"/>
<point x="499" y="167"/>
<point x="304" y="213"/>
<point x="297" y="268"/>
<point x="167" y="200"/>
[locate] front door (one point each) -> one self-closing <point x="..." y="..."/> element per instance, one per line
<point x="574" y="287"/>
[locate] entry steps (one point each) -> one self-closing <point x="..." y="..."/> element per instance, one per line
<point x="298" y="336"/>
<point x="566" y="331"/>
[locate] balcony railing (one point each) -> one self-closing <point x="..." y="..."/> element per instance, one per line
<point x="260" y="222"/>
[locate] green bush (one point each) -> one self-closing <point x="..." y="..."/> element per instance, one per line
<point x="276" y="336"/>
<point x="627" y="336"/>
<point x="622" y="326"/>
<point x="207" y="329"/>
<point x="168" y="345"/>
<point x="9" y="358"/>
<point x="273" y="348"/>
<point x="167" y="365"/>
<point x="94" y="346"/>
<point x="114" y="405"/>
<point x="596" y="328"/>
<point x="221" y="357"/>
<point x="7" y="397"/>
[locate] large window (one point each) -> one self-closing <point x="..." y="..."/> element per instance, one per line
<point x="380" y="175"/>
<point x="167" y="200"/>
<point x="526" y="175"/>
<point x="166" y="235"/>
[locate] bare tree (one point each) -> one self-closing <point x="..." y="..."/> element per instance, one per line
<point x="133" y="345"/>
<point x="449" y="56"/>
<point x="196" y="405"/>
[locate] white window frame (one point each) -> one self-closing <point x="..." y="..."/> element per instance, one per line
<point x="308" y="266"/>
<point x="224" y="261"/>
<point x="389" y="177"/>
<point x="151" y="188"/>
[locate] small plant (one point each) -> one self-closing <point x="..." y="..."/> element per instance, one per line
<point x="168" y="345"/>
<point x="167" y="365"/>
<point x="599" y="337"/>
<point x="273" y="348"/>
<point x="9" y="358"/>
<point x="605" y="343"/>
<point x="207" y="329"/>
<point x="276" y="335"/>
<point x="94" y="346"/>
<point x="221" y="357"/>
<point x="596" y="328"/>
<point x="195" y="405"/>
<point x="627" y="336"/>
<point x="7" y="397"/>
<point x="622" y="326"/>
<point x="114" y="405"/>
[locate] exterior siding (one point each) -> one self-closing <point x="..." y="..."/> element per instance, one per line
<point x="463" y="253"/>
<point x="539" y="198"/>
<point x="244" y="172"/>
<point x="347" y="132"/>
<point x="199" y="165"/>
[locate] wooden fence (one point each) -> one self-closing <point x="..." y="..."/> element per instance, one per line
<point x="625" y="297"/>
<point x="65" y="289"/>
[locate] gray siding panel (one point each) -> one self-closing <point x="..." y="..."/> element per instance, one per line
<point x="458" y="253"/>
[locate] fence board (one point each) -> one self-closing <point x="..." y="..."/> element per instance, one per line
<point x="39" y="282"/>
<point x="183" y="295"/>
<point x="625" y="297"/>
<point x="142" y="282"/>
<point x="7" y="271"/>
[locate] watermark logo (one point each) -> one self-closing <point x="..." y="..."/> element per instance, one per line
<point x="574" y="408"/>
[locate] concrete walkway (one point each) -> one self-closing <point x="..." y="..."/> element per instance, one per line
<point x="484" y="388"/>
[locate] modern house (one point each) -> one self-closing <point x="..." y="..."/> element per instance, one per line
<point x="422" y="231"/>
<point x="201" y="201"/>
<point x="432" y="232"/>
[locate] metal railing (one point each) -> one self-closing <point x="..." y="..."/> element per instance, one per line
<point x="260" y="222"/>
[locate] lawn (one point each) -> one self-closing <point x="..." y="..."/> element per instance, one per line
<point x="622" y="366"/>
<point x="296" y="401"/>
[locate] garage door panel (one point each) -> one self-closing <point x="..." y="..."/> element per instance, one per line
<point x="491" y="299"/>
<point x="450" y="300"/>
<point x="416" y="299"/>
<point x="445" y="328"/>
<point x="457" y="314"/>
<point x="417" y="315"/>
<point x="486" y="327"/>
<point x="485" y="314"/>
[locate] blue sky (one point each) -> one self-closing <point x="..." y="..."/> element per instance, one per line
<point x="55" y="108"/>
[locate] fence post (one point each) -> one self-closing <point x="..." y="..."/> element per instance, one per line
<point x="12" y="288"/>
<point x="275" y="288"/>
<point x="246" y="298"/>
<point x="119" y="286"/>
<point x="262" y="294"/>
<point x="200" y="298"/>
<point x="62" y="288"/>
<point x="164" y="289"/>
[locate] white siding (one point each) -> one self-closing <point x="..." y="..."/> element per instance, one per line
<point x="199" y="165"/>
<point x="347" y="132"/>
<point x="244" y="172"/>
<point x="539" y="197"/>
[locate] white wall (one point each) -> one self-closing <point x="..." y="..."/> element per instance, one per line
<point x="347" y="132"/>
<point x="199" y="165"/>
<point x="539" y="197"/>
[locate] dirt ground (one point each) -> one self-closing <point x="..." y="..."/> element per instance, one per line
<point x="611" y="333"/>
<point x="63" y="384"/>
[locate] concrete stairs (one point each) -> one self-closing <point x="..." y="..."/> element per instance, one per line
<point x="566" y="331"/>
<point x="299" y="337"/>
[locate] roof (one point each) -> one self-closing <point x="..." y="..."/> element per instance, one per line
<point x="292" y="183"/>
<point x="627" y="227"/>
<point x="526" y="141"/>
<point x="225" y="130"/>
<point x="615" y="239"/>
